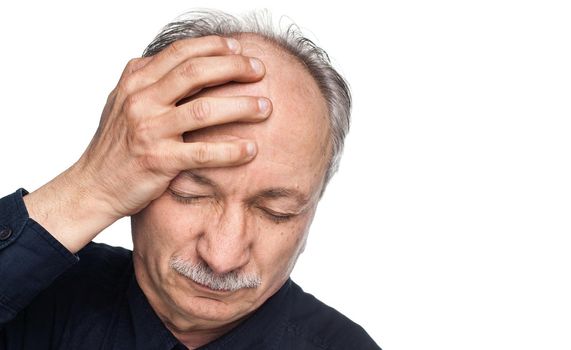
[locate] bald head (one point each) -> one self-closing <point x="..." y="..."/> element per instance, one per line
<point x="296" y="135"/>
<point x="289" y="42"/>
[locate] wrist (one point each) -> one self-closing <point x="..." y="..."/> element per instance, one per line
<point x="67" y="209"/>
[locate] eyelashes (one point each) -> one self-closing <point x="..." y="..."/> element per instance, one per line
<point x="186" y="199"/>
<point x="276" y="217"/>
<point x="269" y="214"/>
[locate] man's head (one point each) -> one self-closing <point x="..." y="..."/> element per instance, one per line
<point x="331" y="84"/>
<point x="239" y="230"/>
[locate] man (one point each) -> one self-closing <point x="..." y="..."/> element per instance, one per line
<point x="218" y="143"/>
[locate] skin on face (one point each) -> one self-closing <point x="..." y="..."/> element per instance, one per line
<point x="232" y="225"/>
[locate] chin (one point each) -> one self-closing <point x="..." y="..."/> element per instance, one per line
<point x="212" y="310"/>
<point x="223" y="307"/>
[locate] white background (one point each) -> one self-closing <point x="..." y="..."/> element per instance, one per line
<point x="448" y="225"/>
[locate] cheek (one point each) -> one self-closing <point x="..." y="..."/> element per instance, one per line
<point x="277" y="247"/>
<point x="166" y="226"/>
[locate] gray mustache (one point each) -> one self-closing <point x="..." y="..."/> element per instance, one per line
<point x="203" y="274"/>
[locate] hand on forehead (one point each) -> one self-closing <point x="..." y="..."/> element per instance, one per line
<point x="298" y="124"/>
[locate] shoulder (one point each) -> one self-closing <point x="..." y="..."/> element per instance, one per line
<point x="320" y="326"/>
<point x="87" y="294"/>
<point x="102" y="265"/>
<point x="102" y="255"/>
<point x="101" y="273"/>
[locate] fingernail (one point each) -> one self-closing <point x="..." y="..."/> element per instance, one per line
<point x="256" y="65"/>
<point x="251" y="149"/>
<point x="233" y="45"/>
<point x="264" y="105"/>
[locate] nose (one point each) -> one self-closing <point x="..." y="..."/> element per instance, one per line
<point x="225" y="243"/>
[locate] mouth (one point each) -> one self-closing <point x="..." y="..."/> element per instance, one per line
<point x="206" y="289"/>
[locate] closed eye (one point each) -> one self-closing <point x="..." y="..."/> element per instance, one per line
<point x="186" y="198"/>
<point x="275" y="216"/>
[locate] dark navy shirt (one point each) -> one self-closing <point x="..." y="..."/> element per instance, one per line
<point x="53" y="299"/>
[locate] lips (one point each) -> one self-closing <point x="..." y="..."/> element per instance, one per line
<point x="203" y="287"/>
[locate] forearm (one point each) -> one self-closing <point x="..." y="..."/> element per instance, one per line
<point x="68" y="209"/>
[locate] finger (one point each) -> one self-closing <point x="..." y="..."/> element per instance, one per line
<point x="134" y="65"/>
<point x="208" y="111"/>
<point x="184" y="49"/>
<point x="128" y="83"/>
<point x="195" y="74"/>
<point x="195" y="155"/>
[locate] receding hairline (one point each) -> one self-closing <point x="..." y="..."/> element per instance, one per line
<point x="271" y="47"/>
<point x="274" y="44"/>
<point x="284" y="53"/>
<point x="292" y="41"/>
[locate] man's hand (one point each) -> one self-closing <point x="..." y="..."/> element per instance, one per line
<point x="138" y="148"/>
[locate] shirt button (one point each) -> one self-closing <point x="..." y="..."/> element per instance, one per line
<point x="5" y="233"/>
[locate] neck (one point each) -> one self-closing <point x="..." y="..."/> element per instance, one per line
<point x="195" y="338"/>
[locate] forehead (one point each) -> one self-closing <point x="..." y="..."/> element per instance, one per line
<point x="293" y="143"/>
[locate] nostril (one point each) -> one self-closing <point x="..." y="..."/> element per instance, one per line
<point x="222" y="259"/>
<point x="224" y="244"/>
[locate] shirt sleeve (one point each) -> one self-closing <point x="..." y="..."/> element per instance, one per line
<point x="30" y="257"/>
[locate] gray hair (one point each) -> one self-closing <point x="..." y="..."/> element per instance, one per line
<point x="332" y="85"/>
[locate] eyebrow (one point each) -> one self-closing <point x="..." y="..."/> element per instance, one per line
<point x="198" y="178"/>
<point x="281" y="192"/>
<point x="269" y="193"/>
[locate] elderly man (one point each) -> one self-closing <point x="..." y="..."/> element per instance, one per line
<point x="218" y="143"/>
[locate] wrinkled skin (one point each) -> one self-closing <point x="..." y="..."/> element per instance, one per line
<point x="230" y="226"/>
